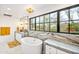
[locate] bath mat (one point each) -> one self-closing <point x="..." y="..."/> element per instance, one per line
<point x="13" y="44"/>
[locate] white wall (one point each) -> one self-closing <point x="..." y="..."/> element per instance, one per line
<point x="10" y="22"/>
<point x="49" y="8"/>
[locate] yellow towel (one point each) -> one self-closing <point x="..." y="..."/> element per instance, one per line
<point x="13" y="44"/>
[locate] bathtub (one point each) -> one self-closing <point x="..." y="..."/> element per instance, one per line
<point x="31" y="45"/>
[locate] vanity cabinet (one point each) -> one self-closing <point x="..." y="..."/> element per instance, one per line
<point x="61" y="52"/>
<point x="53" y="50"/>
<point x="50" y="50"/>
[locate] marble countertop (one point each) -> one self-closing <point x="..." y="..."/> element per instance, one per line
<point x="62" y="45"/>
<point x="61" y="38"/>
<point x="64" y="39"/>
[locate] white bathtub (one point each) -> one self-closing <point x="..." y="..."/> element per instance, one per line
<point x="31" y="45"/>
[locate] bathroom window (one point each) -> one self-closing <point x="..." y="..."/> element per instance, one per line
<point x="32" y="24"/>
<point x="46" y="20"/>
<point x="33" y="20"/>
<point x="64" y="15"/>
<point x="74" y="13"/>
<point x="74" y="26"/>
<point x="74" y="20"/>
<point x="53" y="22"/>
<point x="37" y="26"/>
<point x="41" y="19"/>
<point x="42" y="27"/>
<point x="37" y="23"/>
<point x="41" y="23"/>
<point x="53" y="27"/>
<point x="64" y="26"/>
<point x="46" y="27"/>
<point x="53" y="17"/>
<point x="64" y="21"/>
<point x="37" y="19"/>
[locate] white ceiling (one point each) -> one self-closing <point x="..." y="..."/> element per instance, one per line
<point x="18" y="10"/>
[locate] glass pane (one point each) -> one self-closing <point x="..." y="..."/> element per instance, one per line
<point x="53" y="27"/>
<point x="33" y="26"/>
<point x="33" y="21"/>
<point x="64" y="27"/>
<point x="74" y="13"/>
<point x="41" y="26"/>
<point x="74" y="26"/>
<point x="41" y="19"/>
<point x="64" y="15"/>
<point x="53" y="17"/>
<point x="37" y="20"/>
<point x="47" y="18"/>
<point x="46" y="26"/>
<point x="37" y="26"/>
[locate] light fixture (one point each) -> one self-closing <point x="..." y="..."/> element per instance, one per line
<point x="29" y="10"/>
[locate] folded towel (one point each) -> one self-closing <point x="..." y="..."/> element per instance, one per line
<point x="13" y="44"/>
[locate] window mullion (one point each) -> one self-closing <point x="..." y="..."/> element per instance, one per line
<point x="58" y="22"/>
<point x="69" y="21"/>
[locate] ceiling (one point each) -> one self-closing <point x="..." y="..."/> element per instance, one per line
<point x="19" y="10"/>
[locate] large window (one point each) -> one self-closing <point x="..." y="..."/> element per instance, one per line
<point x="64" y="20"/>
<point x="32" y="24"/>
<point x="37" y="23"/>
<point x="53" y="22"/>
<point x="41" y="23"/>
<point x="46" y="20"/>
<point x="74" y="20"/>
<point x="74" y="26"/>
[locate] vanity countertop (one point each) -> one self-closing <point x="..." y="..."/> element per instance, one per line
<point x="63" y="46"/>
<point x="65" y="39"/>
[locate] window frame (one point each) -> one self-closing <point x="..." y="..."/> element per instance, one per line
<point x="38" y="23"/>
<point x="42" y="23"/>
<point x="31" y="24"/>
<point x="53" y="22"/>
<point x="65" y="21"/>
<point x="58" y="19"/>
